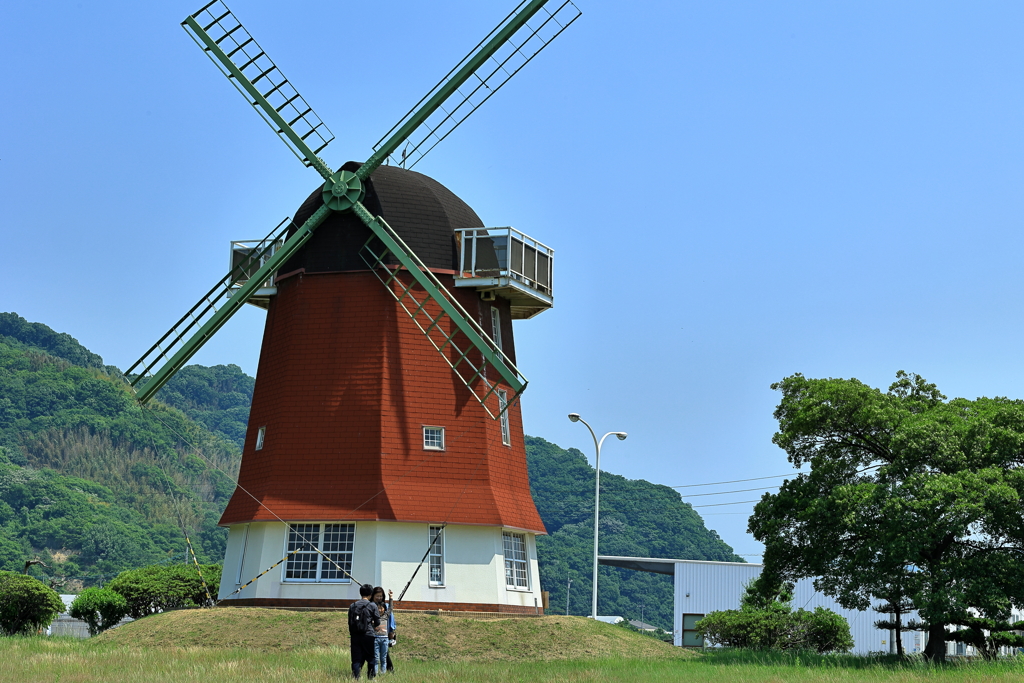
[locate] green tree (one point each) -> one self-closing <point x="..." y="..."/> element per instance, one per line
<point x="908" y="495"/>
<point x="26" y="605"/>
<point x="100" y="608"/>
<point x="987" y="635"/>
<point x="162" y="587"/>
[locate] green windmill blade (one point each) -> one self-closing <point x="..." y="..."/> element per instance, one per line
<point x="239" y="57"/>
<point x="519" y="38"/>
<point x="487" y="67"/>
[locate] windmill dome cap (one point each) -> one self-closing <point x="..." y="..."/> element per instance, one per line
<point x="423" y="212"/>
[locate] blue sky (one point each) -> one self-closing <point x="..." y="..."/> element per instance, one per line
<point x="735" y="192"/>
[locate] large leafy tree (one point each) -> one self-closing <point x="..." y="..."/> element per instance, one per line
<point x="909" y="496"/>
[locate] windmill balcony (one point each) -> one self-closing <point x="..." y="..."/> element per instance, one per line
<point x="508" y="263"/>
<point x="245" y="263"/>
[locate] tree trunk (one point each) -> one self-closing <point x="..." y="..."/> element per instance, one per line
<point x="935" y="649"/>
<point x="899" y="632"/>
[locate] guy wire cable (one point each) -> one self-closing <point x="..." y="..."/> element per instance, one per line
<point x="206" y="588"/>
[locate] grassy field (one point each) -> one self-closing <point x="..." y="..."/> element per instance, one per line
<point x="269" y="646"/>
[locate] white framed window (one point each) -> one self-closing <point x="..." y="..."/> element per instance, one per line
<point x="516" y="567"/>
<point x="433" y="438"/>
<point x="436" y="540"/>
<point x="506" y="432"/>
<point x="259" y="437"/>
<point x="496" y="326"/>
<point x="241" y="555"/>
<point x="335" y="541"/>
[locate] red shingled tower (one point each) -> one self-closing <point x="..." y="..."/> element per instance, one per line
<point x="347" y="383"/>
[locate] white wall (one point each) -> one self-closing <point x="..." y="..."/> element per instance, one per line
<point x="702" y="587"/>
<point x="385" y="554"/>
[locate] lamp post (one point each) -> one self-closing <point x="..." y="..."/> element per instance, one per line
<point x="575" y="417"/>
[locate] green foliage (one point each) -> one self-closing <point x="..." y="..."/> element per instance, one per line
<point x="638" y="519"/>
<point x="987" y="635"/>
<point x="100" y="608"/>
<point x="216" y="397"/>
<point x="26" y="605"/>
<point x="909" y="497"/>
<point x="159" y="588"/>
<point x="766" y="621"/>
<point x="90" y="482"/>
<point x="37" y="335"/>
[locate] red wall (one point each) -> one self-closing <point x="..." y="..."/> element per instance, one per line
<point x="345" y="385"/>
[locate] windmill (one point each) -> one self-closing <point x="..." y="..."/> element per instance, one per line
<point x="385" y="418"/>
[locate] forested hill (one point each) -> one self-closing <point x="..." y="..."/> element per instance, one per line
<point x="638" y="519"/>
<point x="92" y="484"/>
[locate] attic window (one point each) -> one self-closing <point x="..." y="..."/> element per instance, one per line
<point x="259" y="438"/>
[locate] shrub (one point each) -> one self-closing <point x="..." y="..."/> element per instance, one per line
<point x="159" y="588"/>
<point x="100" y="608"/>
<point x="821" y="630"/>
<point x="26" y="605"/>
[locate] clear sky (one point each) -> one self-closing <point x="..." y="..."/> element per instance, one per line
<point x="735" y="191"/>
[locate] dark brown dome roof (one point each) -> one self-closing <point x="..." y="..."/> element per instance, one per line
<point x="421" y="210"/>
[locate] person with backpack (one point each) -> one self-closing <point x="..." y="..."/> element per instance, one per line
<point x="363" y="620"/>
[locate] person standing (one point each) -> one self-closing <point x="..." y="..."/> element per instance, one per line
<point x="363" y="620"/>
<point x="385" y="632"/>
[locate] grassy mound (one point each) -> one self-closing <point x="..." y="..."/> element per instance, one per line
<point x="420" y="636"/>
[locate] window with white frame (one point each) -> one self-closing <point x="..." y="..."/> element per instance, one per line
<point x="506" y="433"/>
<point x="241" y="555"/>
<point x="433" y="438"/>
<point x="334" y="559"/>
<point x="496" y="326"/>
<point x="436" y="555"/>
<point x="260" y="435"/>
<point x="516" y="575"/>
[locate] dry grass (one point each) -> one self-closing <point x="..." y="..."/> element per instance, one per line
<point x="421" y="637"/>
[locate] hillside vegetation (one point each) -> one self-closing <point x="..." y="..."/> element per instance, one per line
<point x="90" y="482"/>
<point x="93" y="484"/>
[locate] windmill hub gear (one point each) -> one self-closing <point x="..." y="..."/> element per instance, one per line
<point x="342" y="190"/>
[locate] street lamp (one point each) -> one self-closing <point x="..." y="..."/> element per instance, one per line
<point x="575" y="417"/>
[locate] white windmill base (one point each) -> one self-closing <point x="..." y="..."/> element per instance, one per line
<point x="475" y="576"/>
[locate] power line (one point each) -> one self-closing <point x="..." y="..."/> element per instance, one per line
<point x="734" y="481"/>
<point x="714" y="505"/>
<point x="719" y="493"/>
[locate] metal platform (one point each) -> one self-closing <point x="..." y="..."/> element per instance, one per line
<point x="509" y="264"/>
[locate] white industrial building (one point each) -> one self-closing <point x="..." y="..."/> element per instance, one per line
<point x="702" y="587"/>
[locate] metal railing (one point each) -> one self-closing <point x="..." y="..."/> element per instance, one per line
<point x="505" y="253"/>
<point x="247" y="257"/>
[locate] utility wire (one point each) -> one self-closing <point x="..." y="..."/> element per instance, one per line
<point x="734" y="481"/>
<point x="719" y="493"/>
<point x="715" y="505"/>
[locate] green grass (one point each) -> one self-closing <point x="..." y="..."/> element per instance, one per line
<point x="63" y="660"/>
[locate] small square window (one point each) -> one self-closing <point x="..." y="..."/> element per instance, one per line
<point x="433" y="438"/>
<point x="259" y="437"/>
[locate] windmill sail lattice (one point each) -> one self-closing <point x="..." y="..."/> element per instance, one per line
<point x="247" y="66"/>
<point x="523" y="43"/>
<point x="469" y="356"/>
<point x="185" y="337"/>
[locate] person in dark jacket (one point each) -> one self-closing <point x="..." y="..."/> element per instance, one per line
<point x="363" y="619"/>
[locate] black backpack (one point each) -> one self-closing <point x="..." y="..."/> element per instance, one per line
<point x="360" y="618"/>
